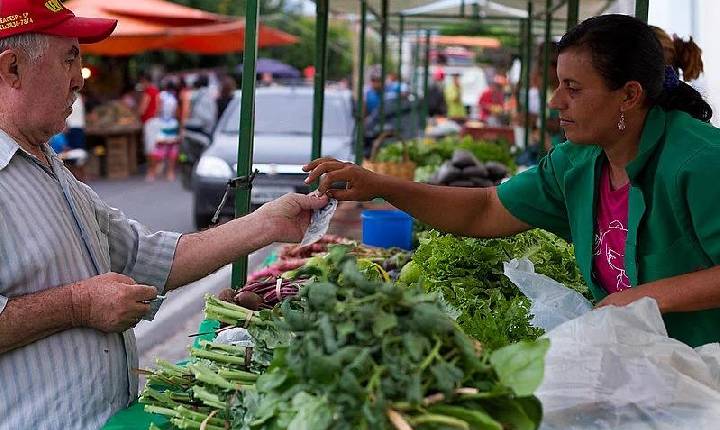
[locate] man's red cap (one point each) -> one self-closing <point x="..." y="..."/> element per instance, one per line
<point x="51" y="17"/>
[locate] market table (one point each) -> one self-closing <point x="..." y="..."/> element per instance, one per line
<point x="479" y="132"/>
<point x="114" y="150"/>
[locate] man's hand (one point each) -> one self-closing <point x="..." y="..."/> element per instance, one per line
<point x="111" y="302"/>
<point x="289" y="216"/>
<point x="362" y="184"/>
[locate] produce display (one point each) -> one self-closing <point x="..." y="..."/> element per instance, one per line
<point x="464" y="170"/>
<point x="338" y="335"/>
<point x="430" y="154"/>
<point x="349" y="352"/>
<point x="468" y="274"/>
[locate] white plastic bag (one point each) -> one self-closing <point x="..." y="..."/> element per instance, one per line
<point x="551" y="302"/>
<point x="616" y="368"/>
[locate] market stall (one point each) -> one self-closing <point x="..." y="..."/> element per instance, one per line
<point x="339" y="333"/>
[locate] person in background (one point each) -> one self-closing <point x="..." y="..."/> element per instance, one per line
<point x="203" y="107"/>
<point x="453" y="99"/>
<point x="681" y="55"/>
<point x="309" y="74"/>
<point x="147" y="109"/>
<point x="73" y="158"/>
<point x="436" y="94"/>
<point x="227" y="92"/>
<point x="76" y="124"/>
<point x="395" y="86"/>
<point x="128" y="98"/>
<point x="492" y="102"/>
<point x="149" y="102"/>
<point x="373" y="94"/>
<point x="267" y="80"/>
<point x="554" y="133"/>
<point x="184" y="96"/>
<point x="165" y="148"/>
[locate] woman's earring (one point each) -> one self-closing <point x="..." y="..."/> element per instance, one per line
<point x="621" y="123"/>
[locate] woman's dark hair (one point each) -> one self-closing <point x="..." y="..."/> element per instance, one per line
<point x="625" y="49"/>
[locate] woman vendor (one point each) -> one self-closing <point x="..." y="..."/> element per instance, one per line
<point x="634" y="187"/>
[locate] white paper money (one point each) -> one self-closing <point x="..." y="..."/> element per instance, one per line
<point x="319" y="223"/>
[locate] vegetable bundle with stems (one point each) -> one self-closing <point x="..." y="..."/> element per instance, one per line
<point x="371" y="355"/>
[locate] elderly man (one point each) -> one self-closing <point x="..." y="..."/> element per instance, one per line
<point x="76" y="274"/>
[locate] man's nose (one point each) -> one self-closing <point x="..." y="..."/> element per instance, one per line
<point x="78" y="82"/>
<point x="555" y="102"/>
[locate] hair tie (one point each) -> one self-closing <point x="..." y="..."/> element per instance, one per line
<point x="671" y="79"/>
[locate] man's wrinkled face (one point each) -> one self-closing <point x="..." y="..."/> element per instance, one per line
<point x="50" y="86"/>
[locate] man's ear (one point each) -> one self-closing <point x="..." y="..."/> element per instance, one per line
<point x="633" y="96"/>
<point x="9" y="72"/>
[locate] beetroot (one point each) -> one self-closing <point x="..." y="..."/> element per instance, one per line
<point x="249" y="300"/>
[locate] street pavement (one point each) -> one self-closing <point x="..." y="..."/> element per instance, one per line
<point x="163" y="205"/>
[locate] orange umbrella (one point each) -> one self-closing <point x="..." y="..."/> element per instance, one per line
<point x="157" y="25"/>
<point x="222" y="38"/>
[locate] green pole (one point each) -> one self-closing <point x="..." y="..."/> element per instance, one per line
<point x="416" y="79"/>
<point x="426" y="84"/>
<point x="383" y="60"/>
<point x="573" y="12"/>
<point x="247" y="127"/>
<point x="642" y="8"/>
<point x="528" y="68"/>
<point x="321" y="25"/>
<point x="523" y="64"/>
<point x="398" y="101"/>
<point x="543" y="89"/>
<point x="360" y="123"/>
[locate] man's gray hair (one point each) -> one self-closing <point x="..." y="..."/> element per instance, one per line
<point x="34" y="45"/>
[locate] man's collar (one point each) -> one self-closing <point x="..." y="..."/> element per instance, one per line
<point x="8" y="148"/>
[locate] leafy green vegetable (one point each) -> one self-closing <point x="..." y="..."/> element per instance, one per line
<point x="468" y="274"/>
<point x="428" y="154"/>
<point x="518" y="367"/>
<point x="373" y="350"/>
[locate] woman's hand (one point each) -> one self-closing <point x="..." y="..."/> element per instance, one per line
<point x="360" y="184"/>
<point x="622" y="298"/>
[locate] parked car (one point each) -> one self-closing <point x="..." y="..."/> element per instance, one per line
<point x="283" y="144"/>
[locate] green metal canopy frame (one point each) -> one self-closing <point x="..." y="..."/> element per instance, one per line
<point x="402" y="11"/>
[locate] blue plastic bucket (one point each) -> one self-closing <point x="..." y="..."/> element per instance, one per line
<point x="387" y="228"/>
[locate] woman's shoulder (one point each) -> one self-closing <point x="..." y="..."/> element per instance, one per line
<point x="574" y="154"/>
<point x="690" y="144"/>
<point x="683" y="129"/>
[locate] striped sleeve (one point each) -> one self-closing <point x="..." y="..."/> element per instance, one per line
<point x="135" y="251"/>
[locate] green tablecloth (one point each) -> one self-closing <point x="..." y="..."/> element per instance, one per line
<point x="134" y="416"/>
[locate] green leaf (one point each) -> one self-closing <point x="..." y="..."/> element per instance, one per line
<point x="416" y="345"/>
<point x="322" y="296"/>
<point x="271" y="380"/>
<point x="476" y="417"/>
<point x="521" y="366"/>
<point x="512" y="415"/>
<point x="313" y="413"/>
<point x="447" y="376"/>
<point x="384" y="322"/>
